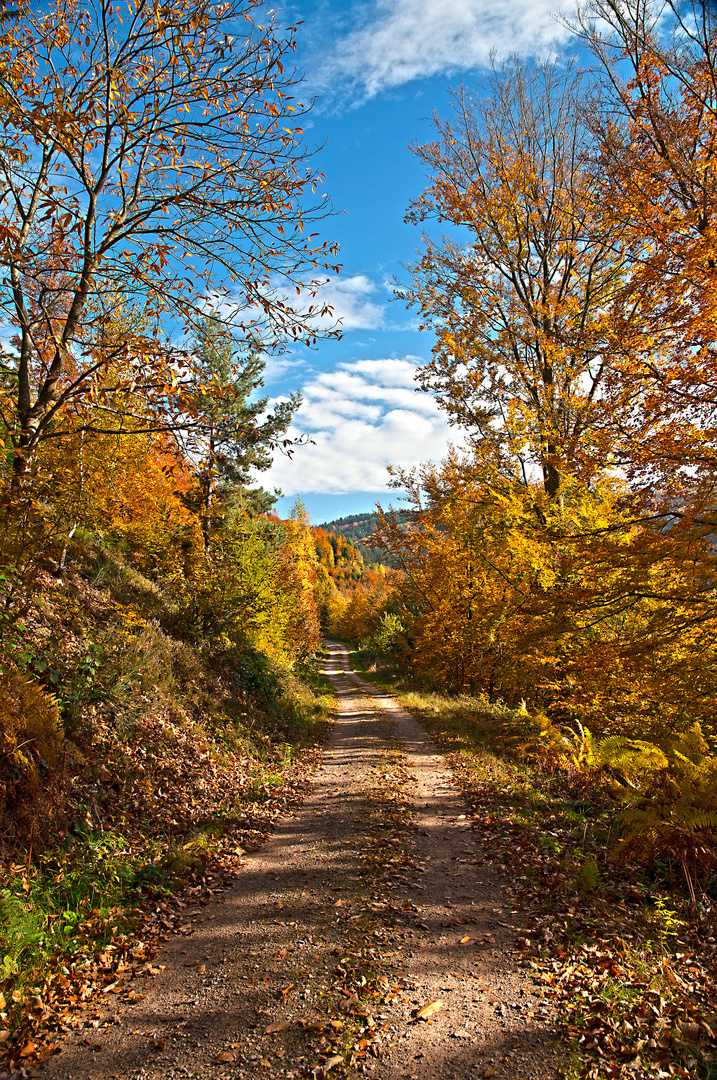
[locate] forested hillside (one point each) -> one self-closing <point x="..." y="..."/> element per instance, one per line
<point x="357" y="527"/>
<point x="340" y="558"/>
<point x="354" y="526"/>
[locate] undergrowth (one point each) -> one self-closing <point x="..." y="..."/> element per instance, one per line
<point x="172" y="760"/>
<point x="626" y="948"/>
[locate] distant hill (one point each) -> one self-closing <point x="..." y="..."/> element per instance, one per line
<point x="339" y="555"/>
<point x="356" y="527"/>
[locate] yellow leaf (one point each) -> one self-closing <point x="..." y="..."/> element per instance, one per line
<point x="429" y="1009"/>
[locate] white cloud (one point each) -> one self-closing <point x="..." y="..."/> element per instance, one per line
<point x="276" y="367"/>
<point x="389" y="372"/>
<point x="352" y="300"/>
<point x="362" y="417"/>
<point x="401" y="40"/>
<point x="356" y="303"/>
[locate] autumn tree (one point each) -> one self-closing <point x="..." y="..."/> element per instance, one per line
<point x="297" y="577"/>
<point x="578" y="610"/>
<point x="152" y="151"/>
<point x="654" y="114"/>
<point x="121" y="489"/>
<point x="597" y="604"/>
<point x="518" y="293"/>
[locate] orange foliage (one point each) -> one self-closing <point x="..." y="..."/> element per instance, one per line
<point x="124" y="488"/>
<point x="658" y="183"/>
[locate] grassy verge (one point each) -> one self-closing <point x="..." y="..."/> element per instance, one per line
<point x="632" y="964"/>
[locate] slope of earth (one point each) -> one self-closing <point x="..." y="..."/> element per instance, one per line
<point x="368" y="936"/>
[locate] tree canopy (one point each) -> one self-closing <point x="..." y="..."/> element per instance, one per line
<point x="152" y="157"/>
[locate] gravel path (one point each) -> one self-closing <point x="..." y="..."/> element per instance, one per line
<point x="367" y="905"/>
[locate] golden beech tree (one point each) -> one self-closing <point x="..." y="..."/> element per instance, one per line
<point x="519" y="293"/>
<point x="153" y="151"/>
<point x="567" y="558"/>
<point x="474" y="555"/>
<point x="297" y="578"/>
<point x="121" y="488"/>
<point x="655" y="115"/>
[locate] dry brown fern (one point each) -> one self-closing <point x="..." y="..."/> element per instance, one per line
<point x="30" y="739"/>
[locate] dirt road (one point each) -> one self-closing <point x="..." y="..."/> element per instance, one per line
<point x="366" y="906"/>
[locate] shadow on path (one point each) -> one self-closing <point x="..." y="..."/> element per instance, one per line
<point x="269" y="950"/>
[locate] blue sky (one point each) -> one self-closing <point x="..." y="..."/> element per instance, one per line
<point x="379" y="69"/>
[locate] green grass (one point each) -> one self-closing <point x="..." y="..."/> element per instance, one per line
<point x="75" y="899"/>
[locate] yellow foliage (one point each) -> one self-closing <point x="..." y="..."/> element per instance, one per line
<point x="675" y="817"/>
<point x="124" y="487"/>
<point x="628" y="761"/>
<point x="523" y="597"/>
<point x="670" y="795"/>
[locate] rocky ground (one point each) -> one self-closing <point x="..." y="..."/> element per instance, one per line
<point x="368" y="936"/>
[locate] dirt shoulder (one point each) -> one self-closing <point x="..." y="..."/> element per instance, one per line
<point x="332" y="950"/>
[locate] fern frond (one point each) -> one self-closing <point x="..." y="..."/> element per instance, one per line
<point x="691" y="744"/>
<point x="694" y="818"/>
<point x="632" y="757"/>
<point x="686" y="763"/>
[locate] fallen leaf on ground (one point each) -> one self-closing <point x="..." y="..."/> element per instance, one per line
<point x="429" y="1009"/>
<point x="279" y="1025"/>
<point x="337" y="1059"/>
